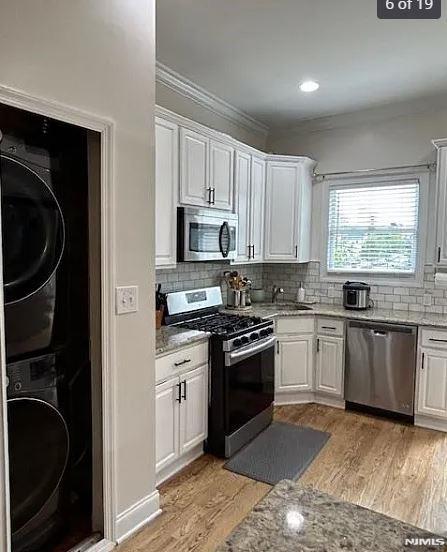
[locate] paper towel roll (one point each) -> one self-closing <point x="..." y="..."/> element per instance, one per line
<point x="441" y="279"/>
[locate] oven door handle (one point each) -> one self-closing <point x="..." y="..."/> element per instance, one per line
<point x="249" y="350"/>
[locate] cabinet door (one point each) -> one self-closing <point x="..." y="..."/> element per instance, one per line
<point x="194" y="408"/>
<point x="329" y="365"/>
<point x="257" y="202"/>
<point x="432" y="383"/>
<point x="294" y="364"/>
<point x="166" y="423"/>
<point x="166" y="186"/>
<point x="281" y="212"/>
<point x="194" y="175"/>
<point x="221" y="175"/>
<point x="441" y="180"/>
<point x="242" y="200"/>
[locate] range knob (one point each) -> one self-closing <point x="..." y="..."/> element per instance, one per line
<point x="264" y="333"/>
<point x="254" y="336"/>
<point x="244" y="339"/>
<point x="269" y="330"/>
<point x="237" y="342"/>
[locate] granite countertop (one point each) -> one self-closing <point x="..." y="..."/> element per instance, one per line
<point x="296" y="518"/>
<point x="170" y="338"/>
<point x="269" y="310"/>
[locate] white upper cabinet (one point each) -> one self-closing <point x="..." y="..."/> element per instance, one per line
<point x="288" y="210"/>
<point x="194" y="168"/>
<point x="441" y="179"/>
<point x="257" y="202"/>
<point x="166" y="187"/>
<point x="242" y="204"/>
<point x="249" y="205"/>
<point x="206" y="171"/>
<point x="221" y="175"/>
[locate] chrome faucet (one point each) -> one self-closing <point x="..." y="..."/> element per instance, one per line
<point x="275" y="292"/>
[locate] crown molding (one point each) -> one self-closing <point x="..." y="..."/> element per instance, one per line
<point x="180" y="84"/>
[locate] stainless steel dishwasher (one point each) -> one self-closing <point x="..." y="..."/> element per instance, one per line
<point x="380" y="363"/>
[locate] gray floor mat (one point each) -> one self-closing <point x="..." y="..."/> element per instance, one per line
<point x="282" y="451"/>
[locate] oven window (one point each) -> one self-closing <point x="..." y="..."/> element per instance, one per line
<point x="204" y="238"/>
<point x="250" y="388"/>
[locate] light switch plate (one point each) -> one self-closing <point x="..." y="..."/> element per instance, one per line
<point x="126" y="299"/>
<point x="427" y="300"/>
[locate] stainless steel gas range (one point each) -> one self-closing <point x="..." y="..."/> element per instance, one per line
<point x="241" y="390"/>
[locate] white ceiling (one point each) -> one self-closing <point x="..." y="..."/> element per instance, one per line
<point x="253" y="54"/>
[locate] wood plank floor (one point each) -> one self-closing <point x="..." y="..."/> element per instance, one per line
<point x="392" y="468"/>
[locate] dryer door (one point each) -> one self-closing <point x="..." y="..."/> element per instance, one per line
<point x="33" y="230"/>
<point x="38" y="455"/>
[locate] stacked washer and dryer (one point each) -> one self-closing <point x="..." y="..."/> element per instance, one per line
<point x="39" y="321"/>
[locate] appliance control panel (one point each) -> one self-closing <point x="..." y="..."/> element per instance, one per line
<point x="251" y="336"/>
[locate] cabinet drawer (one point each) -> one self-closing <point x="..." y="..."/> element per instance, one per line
<point x="330" y="326"/>
<point x="292" y="325"/>
<point x="434" y="338"/>
<point x="180" y="361"/>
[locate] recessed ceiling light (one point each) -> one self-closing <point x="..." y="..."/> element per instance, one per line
<point x="309" y="86"/>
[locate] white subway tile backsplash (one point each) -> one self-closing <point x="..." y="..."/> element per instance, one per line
<point x="288" y="276"/>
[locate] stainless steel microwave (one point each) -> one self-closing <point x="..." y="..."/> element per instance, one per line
<point x="206" y="234"/>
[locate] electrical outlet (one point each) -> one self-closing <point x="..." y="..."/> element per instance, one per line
<point x="126" y="299"/>
<point x="427" y="300"/>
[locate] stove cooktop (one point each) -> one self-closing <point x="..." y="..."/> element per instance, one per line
<point x="226" y="325"/>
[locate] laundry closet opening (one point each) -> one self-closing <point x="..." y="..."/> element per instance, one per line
<point x="51" y="244"/>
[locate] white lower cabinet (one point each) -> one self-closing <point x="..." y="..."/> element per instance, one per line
<point x="181" y="415"/>
<point x="329" y="365"/>
<point x="294" y="364"/>
<point x="193" y="409"/>
<point x="167" y="426"/>
<point x="432" y="383"/>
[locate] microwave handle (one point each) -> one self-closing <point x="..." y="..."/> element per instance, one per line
<point x="224" y="229"/>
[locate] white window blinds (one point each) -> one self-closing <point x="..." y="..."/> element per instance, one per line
<point x="373" y="228"/>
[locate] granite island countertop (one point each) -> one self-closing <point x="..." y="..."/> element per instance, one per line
<point x="171" y="338"/>
<point x="269" y="310"/>
<point x="294" y="518"/>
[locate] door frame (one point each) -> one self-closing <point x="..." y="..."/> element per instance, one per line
<point x="106" y="128"/>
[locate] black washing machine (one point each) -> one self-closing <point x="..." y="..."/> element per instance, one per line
<point x="33" y="245"/>
<point x="39" y="446"/>
<point x="45" y="190"/>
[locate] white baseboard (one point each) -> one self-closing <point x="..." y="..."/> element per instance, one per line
<point x="327" y="400"/>
<point x="137" y="516"/>
<point x="301" y="397"/>
<point x="179" y="464"/>
<point x="430" y="423"/>
<point x="283" y="399"/>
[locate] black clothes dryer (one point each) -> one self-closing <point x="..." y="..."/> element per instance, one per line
<point x="38" y="451"/>
<point x="33" y="244"/>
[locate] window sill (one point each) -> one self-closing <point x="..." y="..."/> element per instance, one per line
<point x="414" y="280"/>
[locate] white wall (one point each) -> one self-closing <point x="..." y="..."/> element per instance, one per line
<point x="382" y="137"/>
<point x="98" y="56"/>
<point x="173" y="101"/>
<point x="376" y="138"/>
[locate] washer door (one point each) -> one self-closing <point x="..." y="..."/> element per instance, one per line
<point x="33" y="230"/>
<point x="38" y="455"/>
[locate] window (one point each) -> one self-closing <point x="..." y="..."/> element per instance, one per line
<point x="373" y="227"/>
